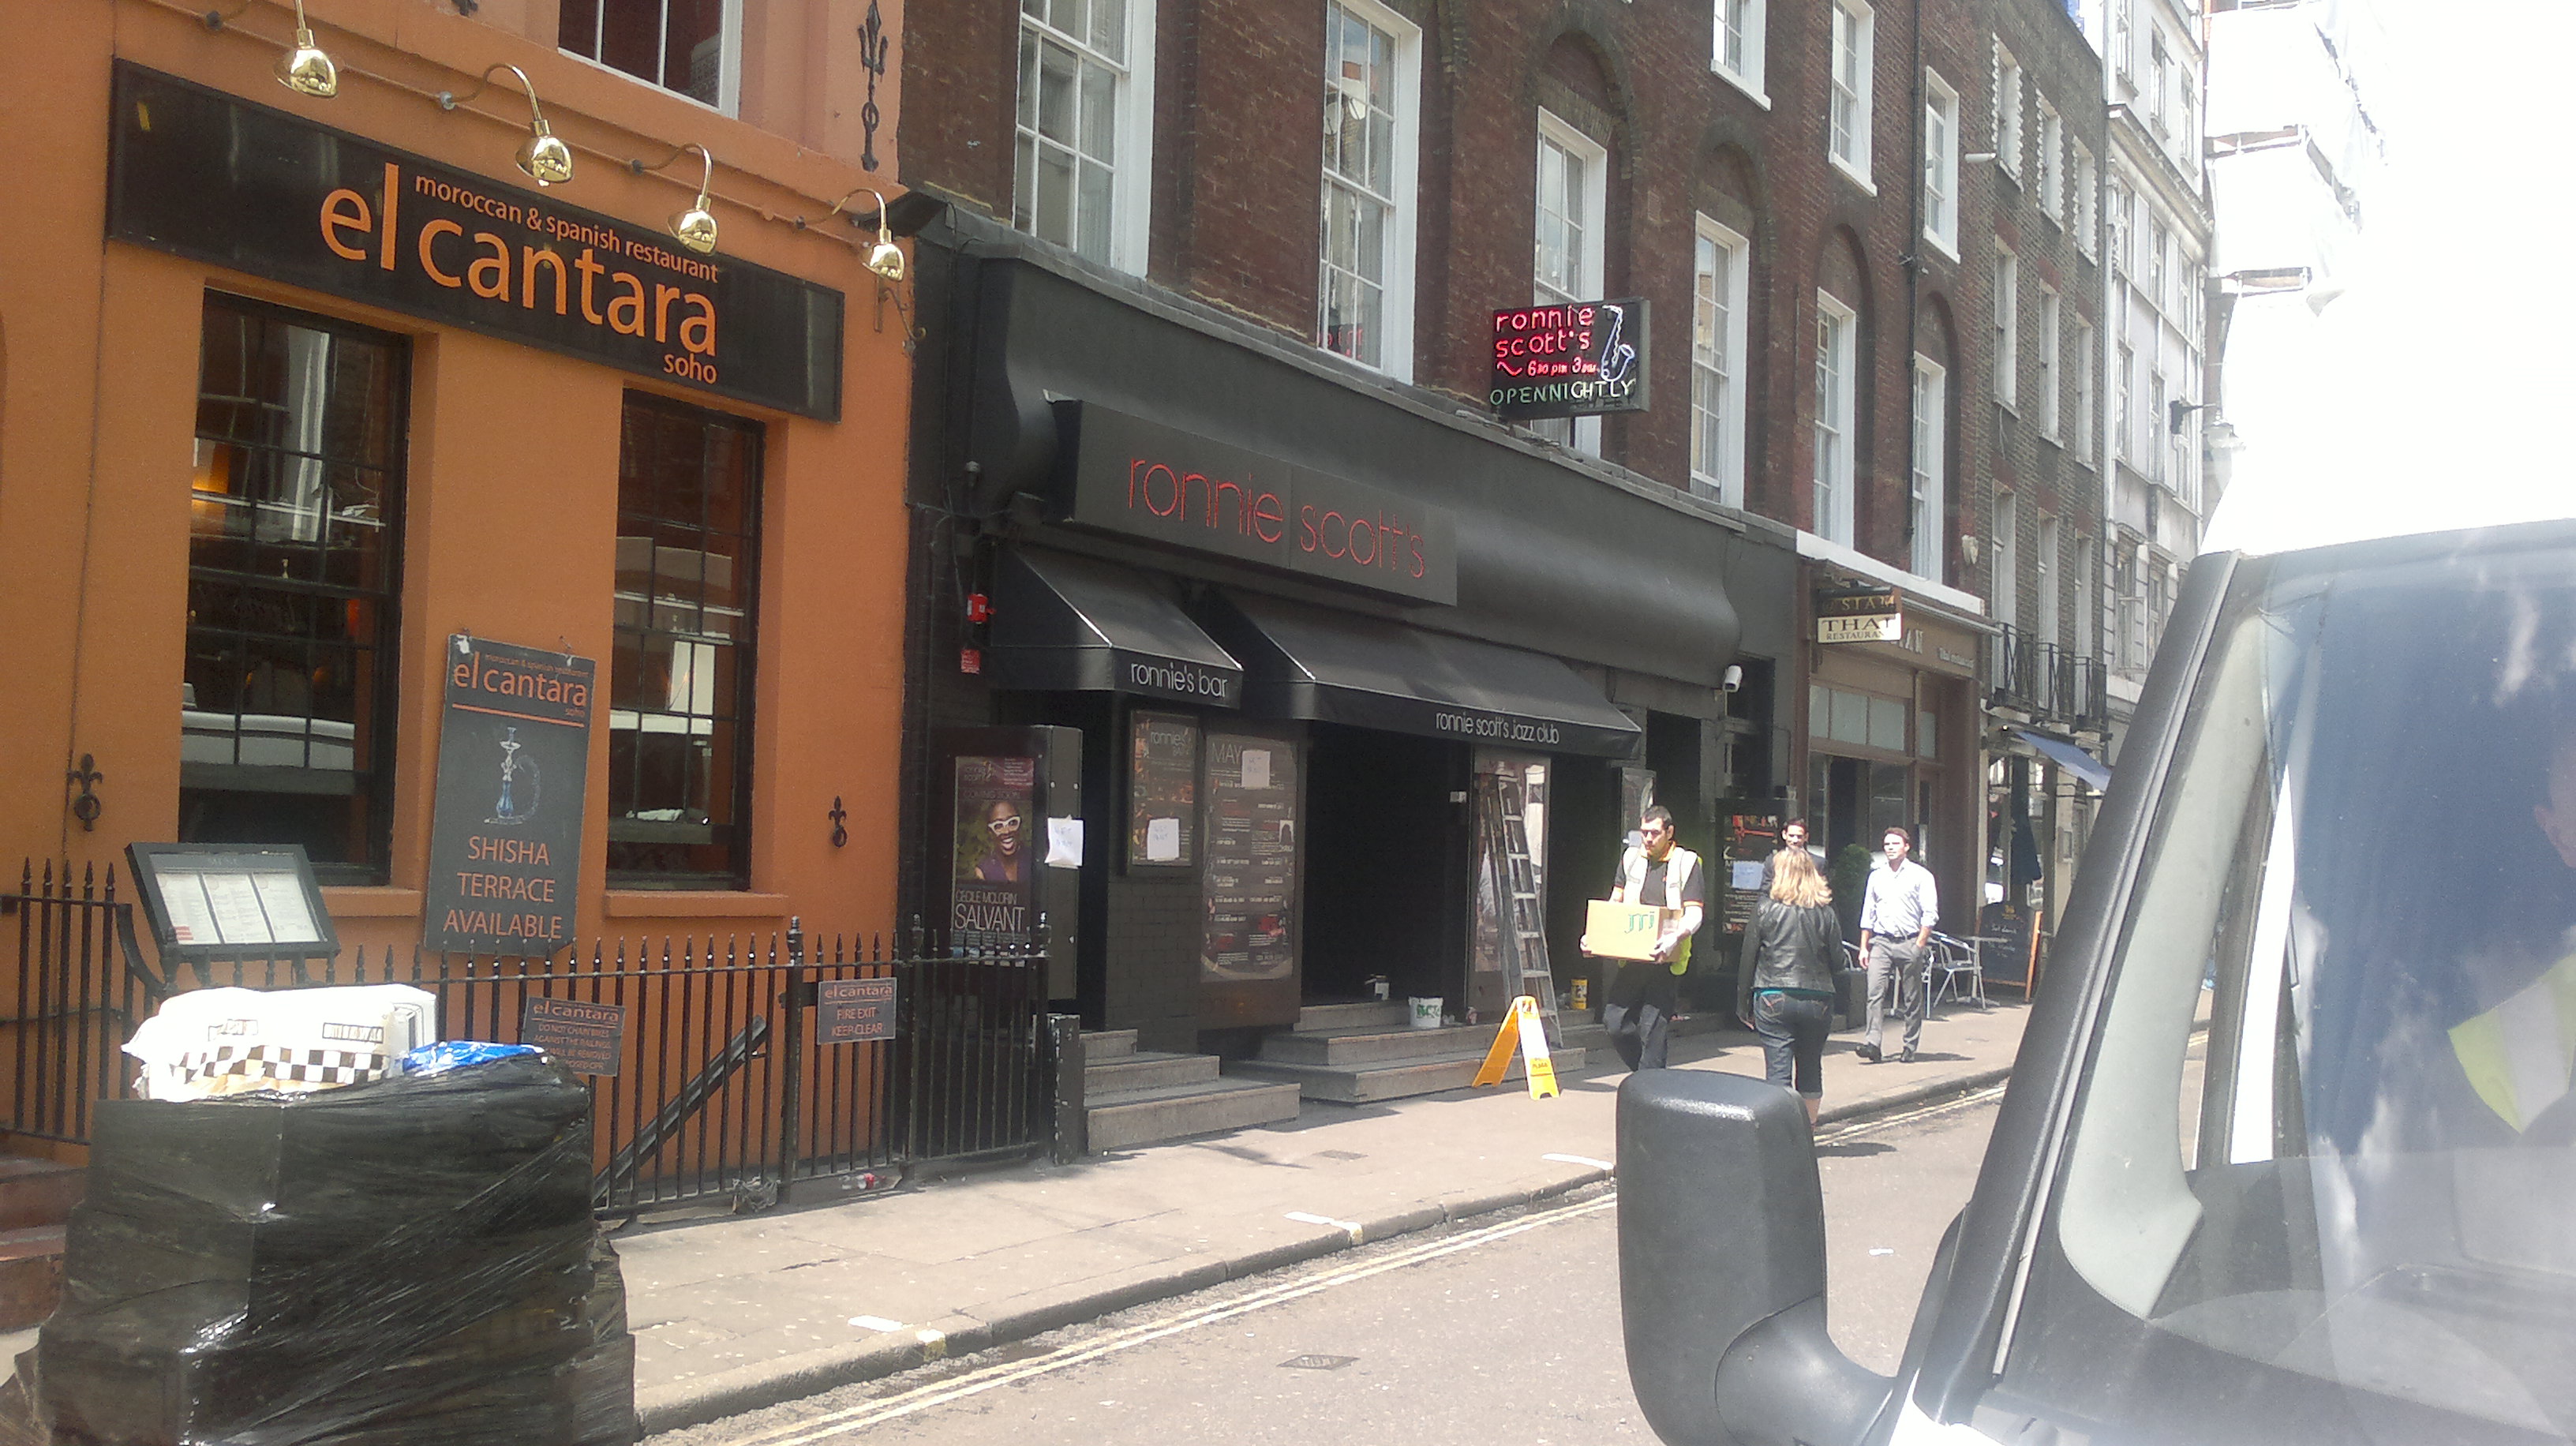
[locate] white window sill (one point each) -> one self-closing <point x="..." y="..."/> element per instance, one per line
<point x="1945" y="245"/>
<point x="632" y="78"/>
<point x="2010" y="407"/>
<point x="1752" y="90"/>
<point x="1852" y="175"/>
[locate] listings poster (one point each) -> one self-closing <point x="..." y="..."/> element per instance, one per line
<point x="513" y="768"/>
<point x="1162" y="790"/>
<point x="993" y="879"/>
<point x="1251" y="843"/>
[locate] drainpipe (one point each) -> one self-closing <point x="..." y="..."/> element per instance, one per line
<point x="2114" y="321"/>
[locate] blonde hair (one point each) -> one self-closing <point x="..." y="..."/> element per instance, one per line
<point x="1795" y="881"/>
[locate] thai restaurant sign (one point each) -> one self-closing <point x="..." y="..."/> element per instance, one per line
<point x="1149" y="481"/>
<point x="203" y="174"/>
<point x="1569" y="359"/>
<point x="1859" y="615"/>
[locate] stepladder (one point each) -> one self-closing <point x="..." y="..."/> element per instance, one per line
<point x="1501" y="803"/>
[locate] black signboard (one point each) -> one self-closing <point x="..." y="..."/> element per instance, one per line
<point x="582" y="1035"/>
<point x="1143" y="479"/>
<point x="1251" y="879"/>
<point x="1162" y="790"/>
<point x="1859" y="615"/>
<point x="207" y="175"/>
<point x="853" y="1011"/>
<point x="210" y="903"/>
<point x="513" y="773"/>
<point x="1570" y="359"/>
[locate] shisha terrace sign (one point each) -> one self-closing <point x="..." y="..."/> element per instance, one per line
<point x="513" y="772"/>
<point x="1578" y="358"/>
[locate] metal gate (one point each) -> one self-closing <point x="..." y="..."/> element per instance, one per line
<point x="737" y="1074"/>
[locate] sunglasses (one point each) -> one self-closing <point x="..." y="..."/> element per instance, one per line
<point x="1005" y="825"/>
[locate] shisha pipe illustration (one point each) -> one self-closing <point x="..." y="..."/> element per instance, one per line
<point x="1617" y="358"/>
<point x="509" y="810"/>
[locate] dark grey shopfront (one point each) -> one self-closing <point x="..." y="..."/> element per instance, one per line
<point x="1310" y="627"/>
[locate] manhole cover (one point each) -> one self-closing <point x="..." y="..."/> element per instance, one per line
<point x="1340" y="1155"/>
<point x="1317" y="1363"/>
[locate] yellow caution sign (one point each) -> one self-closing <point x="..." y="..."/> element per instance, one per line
<point x="1521" y="1027"/>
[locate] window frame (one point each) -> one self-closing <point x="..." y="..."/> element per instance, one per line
<point x="2083" y="439"/>
<point x="728" y="99"/>
<point x="2080" y="200"/>
<point x="1753" y="30"/>
<point x="1851" y="25"/>
<point x="1131" y="135"/>
<point x="744" y="720"/>
<point x="2044" y="549"/>
<point x="1728" y="481"/>
<point x="1592" y="255"/>
<point x="2051" y="321"/>
<point x="1832" y="479"/>
<point x="2006" y="588"/>
<point x="1940" y="163"/>
<point x="2006" y="305"/>
<point x="378" y="786"/>
<point x="1927" y="491"/>
<point x="2007" y="117"/>
<point x="2051" y="162"/>
<point x="1396" y="289"/>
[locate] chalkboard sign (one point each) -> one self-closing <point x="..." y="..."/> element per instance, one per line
<point x="1251" y="878"/>
<point x="581" y="1035"/>
<point x="1162" y="790"/>
<point x="853" y="1011"/>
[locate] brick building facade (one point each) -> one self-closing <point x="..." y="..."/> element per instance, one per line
<point x="1335" y="200"/>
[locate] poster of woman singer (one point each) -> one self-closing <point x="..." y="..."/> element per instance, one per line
<point x="993" y="875"/>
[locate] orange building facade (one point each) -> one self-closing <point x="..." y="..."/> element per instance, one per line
<point x="299" y="393"/>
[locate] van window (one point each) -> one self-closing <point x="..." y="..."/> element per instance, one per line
<point x="2319" y="1181"/>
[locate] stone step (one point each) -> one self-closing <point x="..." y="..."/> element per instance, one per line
<point x="1391" y="1014"/>
<point x="1345" y="1085"/>
<point x="1105" y="1079"/>
<point x="1101" y="1044"/>
<point x="1375" y="1046"/>
<point x="31" y="1275"/>
<point x="1147" y="1117"/>
<point x="36" y="1191"/>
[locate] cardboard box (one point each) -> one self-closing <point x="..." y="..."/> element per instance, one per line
<point x="1623" y="931"/>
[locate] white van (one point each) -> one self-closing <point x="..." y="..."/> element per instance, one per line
<point x="2343" y="1208"/>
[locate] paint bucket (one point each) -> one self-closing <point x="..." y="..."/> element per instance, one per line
<point x="1426" y="1012"/>
<point x="1582" y="993"/>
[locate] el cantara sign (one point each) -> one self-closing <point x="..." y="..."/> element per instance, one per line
<point x="207" y="175"/>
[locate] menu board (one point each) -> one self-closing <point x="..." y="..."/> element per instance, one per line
<point x="1251" y="876"/>
<point x="1750" y="838"/>
<point x="1162" y="790"/>
<point x="215" y="902"/>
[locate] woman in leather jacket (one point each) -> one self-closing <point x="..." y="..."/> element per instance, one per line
<point x="1785" y="985"/>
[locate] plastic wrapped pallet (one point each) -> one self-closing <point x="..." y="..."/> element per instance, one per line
<point x="412" y="1261"/>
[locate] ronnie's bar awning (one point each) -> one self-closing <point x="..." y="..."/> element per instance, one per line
<point x="1306" y="662"/>
<point x="2070" y="756"/>
<point x="1070" y="623"/>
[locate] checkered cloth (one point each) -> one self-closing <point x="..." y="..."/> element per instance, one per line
<point x="277" y="1064"/>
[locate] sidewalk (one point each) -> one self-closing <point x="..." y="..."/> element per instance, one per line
<point x="734" y="1314"/>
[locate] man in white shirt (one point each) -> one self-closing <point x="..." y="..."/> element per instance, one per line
<point x="1896" y="919"/>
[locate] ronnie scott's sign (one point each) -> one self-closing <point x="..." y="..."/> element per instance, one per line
<point x="204" y="174"/>
<point x="1145" y="480"/>
<point x="1575" y="358"/>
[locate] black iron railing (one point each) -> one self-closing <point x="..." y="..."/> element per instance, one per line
<point x="2051" y="682"/>
<point x="732" y="1076"/>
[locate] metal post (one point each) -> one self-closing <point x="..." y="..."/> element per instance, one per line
<point x="792" y="1056"/>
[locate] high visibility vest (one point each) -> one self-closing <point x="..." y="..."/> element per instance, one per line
<point x="1678" y="867"/>
<point x="2519" y="1055"/>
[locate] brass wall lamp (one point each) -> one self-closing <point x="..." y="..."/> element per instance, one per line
<point x="305" y="68"/>
<point x="694" y="228"/>
<point x="885" y="258"/>
<point x="543" y="156"/>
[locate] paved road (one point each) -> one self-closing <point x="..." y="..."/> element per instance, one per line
<point x="1504" y="1331"/>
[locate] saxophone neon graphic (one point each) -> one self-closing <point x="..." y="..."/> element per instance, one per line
<point x="1617" y="359"/>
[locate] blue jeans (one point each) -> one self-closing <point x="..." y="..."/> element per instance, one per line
<point x="1793" y="1029"/>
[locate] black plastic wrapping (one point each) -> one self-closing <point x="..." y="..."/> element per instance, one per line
<point x="409" y="1262"/>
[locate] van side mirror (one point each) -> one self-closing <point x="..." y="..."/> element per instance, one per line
<point x="1722" y="1268"/>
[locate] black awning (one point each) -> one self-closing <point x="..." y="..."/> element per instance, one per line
<point x="1070" y="623"/>
<point x="1303" y="662"/>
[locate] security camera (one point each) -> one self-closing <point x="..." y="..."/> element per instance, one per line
<point x="1731" y="679"/>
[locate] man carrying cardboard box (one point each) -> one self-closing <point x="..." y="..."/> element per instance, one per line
<point x="1637" y="1006"/>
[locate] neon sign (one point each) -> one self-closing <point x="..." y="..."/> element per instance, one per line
<point x="1579" y="358"/>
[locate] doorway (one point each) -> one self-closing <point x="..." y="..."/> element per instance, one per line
<point x="1388" y="857"/>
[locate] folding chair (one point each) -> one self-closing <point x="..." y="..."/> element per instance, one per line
<point x="1948" y="962"/>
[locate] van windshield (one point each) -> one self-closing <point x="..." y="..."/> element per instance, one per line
<point x="2326" y="1137"/>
